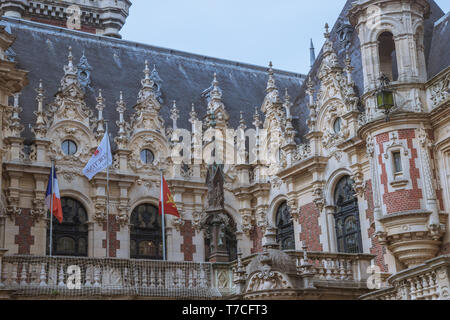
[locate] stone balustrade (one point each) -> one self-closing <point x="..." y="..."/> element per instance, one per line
<point x="87" y="278"/>
<point x="428" y="281"/>
<point x="333" y="266"/>
<point x="338" y="268"/>
<point x="66" y="277"/>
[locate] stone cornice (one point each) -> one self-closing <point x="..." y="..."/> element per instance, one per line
<point x="394" y="119"/>
<point x="315" y="163"/>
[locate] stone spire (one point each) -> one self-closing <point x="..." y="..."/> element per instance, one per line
<point x="154" y="76"/>
<point x="174" y="115"/>
<point x="216" y="92"/>
<point x="242" y="125"/>
<point x="100" y="121"/>
<point x="271" y="86"/>
<point x="218" y="116"/>
<point x="329" y="55"/>
<point x="256" y="119"/>
<point x="289" y="130"/>
<point x="348" y="67"/>
<point x="312" y="54"/>
<point x="121" y="138"/>
<point x="287" y="104"/>
<point x="193" y="115"/>
<point x="147" y="85"/>
<point x="15" y="126"/>
<point x="70" y="72"/>
<point x="40" y="128"/>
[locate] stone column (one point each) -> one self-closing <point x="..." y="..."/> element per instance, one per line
<point x="332" y="240"/>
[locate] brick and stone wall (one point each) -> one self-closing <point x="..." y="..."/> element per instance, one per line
<point x="310" y="228"/>
<point x="376" y="248"/>
<point x="404" y="199"/>
<point x="188" y="248"/>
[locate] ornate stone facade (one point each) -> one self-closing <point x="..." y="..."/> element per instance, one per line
<point x="391" y="212"/>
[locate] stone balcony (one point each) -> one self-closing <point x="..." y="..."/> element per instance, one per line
<point x="428" y="281"/>
<point x="273" y="274"/>
<point x="276" y="274"/>
<point x="33" y="277"/>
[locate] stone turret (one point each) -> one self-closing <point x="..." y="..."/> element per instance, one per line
<point x="102" y="17"/>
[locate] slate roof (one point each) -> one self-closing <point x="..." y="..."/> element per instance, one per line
<point x="117" y="65"/>
<point x="439" y="56"/>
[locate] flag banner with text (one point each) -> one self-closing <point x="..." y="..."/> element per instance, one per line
<point x="101" y="159"/>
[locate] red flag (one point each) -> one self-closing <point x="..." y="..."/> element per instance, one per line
<point x="169" y="205"/>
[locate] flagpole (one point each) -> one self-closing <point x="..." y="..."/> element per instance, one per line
<point x="163" y="219"/>
<point x="107" y="195"/>
<point x="52" y="175"/>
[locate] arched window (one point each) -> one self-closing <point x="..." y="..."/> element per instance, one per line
<point x="146" y="233"/>
<point x="348" y="230"/>
<point x="70" y="238"/>
<point x="388" y="56"/>
<point x="285" y="228"/>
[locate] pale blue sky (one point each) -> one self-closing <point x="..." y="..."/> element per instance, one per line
<point x="251" y="31"/>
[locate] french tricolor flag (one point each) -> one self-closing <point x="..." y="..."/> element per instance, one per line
<point x="57" y="209"/>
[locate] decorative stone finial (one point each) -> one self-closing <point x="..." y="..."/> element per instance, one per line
<point x="256" y="119"/>
<point x="242" y="125"/>
<point x="174" y="114"/>
<point x="15" y="126"/>
<point x="121" y="138"/>
<point x="216" y="92"/>
<point x="193" y="115"/>
<point x="70" y="72"/>
<point x="271" y="82"/>
<point x="147" y="85"/>
<point x="100" y="107"/>
<point x="40" y="128"/>
<point x="287" y="104"/>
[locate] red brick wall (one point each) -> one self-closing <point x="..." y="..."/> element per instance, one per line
<point x="256" y="235"/>
<point x="114" y="244"/>
<point x="401" y="200"/>
<point x="309" y="221"/>
<point x="377" y="249"/>
<point x="24" y="238"/>
<point x="63" y="24"/>
<point x="187" y="247"/>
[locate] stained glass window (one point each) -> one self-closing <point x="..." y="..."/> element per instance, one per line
<point x="70" y="238"/>
<point x="285" y="228"/>
<point x="146" y="233"/>
<point x="348" y="230"/>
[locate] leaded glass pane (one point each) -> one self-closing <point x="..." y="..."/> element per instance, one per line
<point x="348" y="231"/>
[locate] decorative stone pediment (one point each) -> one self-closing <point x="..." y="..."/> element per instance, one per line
<point x="269" y="271"/>
<point x="268" y="280"/>
<point x="152" y="141"/>
<point x="146" y="116"/>
<point x="76" y="132"/>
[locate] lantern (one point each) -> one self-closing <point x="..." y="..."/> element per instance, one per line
<point x="385" y="99"/>
<point x="385" y="96"/>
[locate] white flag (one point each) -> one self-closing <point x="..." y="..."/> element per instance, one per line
<point x="101" y="159"/>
